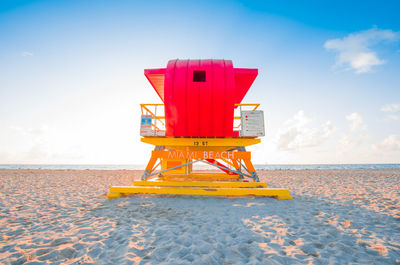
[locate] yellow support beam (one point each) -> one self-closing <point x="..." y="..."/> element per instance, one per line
<point x="280" y="194"/>
<point x="221" y="184"/>
<point x="201" y="177"/>
<point x="200" y="142"/>
<point x="201" y="154"/>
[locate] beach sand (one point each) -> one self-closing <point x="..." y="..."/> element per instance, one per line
<point x="336" y="217"/>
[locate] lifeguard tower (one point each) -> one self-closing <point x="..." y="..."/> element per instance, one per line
<point x="196" y="124"/>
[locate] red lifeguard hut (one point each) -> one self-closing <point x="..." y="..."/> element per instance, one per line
<point x="197" y="124"/>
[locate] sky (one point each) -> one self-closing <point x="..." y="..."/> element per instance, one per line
<point x="71" y="75"/>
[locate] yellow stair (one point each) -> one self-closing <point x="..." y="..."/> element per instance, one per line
<point x="200" y="188"/>
<point x="221" y="184"/>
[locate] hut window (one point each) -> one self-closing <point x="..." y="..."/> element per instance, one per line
<point x="199" y="76"/>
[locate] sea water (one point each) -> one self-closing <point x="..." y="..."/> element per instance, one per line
<point x="141" y="167"/>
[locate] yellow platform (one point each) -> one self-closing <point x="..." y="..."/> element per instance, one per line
<point x="193" y="143"/>
<point x="280" y="194"/>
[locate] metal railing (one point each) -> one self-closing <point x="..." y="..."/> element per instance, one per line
<point x="241" y="106"/>
<point x="158" y="121"/>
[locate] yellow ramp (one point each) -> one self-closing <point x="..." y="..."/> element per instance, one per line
<point x="280" y="194"/>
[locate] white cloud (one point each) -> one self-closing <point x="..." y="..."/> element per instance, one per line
<point x="393" y="117"/>
<point x="356" y="121"/>
<point x="391" y="143"/>
<point x="393" y="111"/>
<point x="30" y="131"/>
<point x="354" y="50"/>
<point x="297" y="133"/>
<point x="391" y="108"/>
<point x="356" y="135"/>
<point x="26" y="54"/>
<point x="42" y="144"/>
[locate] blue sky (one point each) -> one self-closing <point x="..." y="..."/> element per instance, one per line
<point x="71" y="75"/>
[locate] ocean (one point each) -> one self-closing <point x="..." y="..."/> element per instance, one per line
<point x="258" y="167"/>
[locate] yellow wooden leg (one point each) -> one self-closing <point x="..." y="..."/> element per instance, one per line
<point x="149" y="167"/>
<point x="251" y="169"/>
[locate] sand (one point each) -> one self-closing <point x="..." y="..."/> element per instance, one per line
<point x="336" y="217"/>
